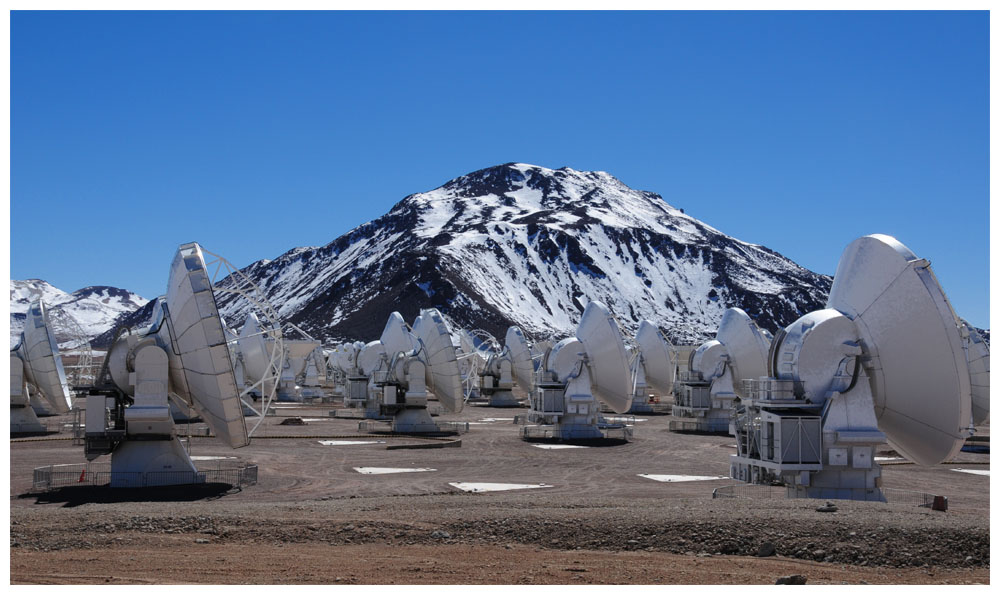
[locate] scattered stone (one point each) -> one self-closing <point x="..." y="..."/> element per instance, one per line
<point x="766" y="549"/>
<point x="201" y="540"/>
<point x="792" y="579"/>
<point x="828" y="507"/>
<point x="441" y="535"/>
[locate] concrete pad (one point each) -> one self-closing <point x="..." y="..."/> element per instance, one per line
<point x="467" y="486"/>
<point x="680" y="478"/>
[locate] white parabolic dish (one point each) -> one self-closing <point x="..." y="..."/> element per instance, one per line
<point x="611" y="374"/>
<point x="657" y="361"/>
<point x="43" y="365"/>
<point x="396" y="338"/>
<point x="919" y="373"/>
<point x="746" y="344"/>
<point x="201" y="371"/>
<point x="520" y="355"/>
<point x="369" y="357"/>
<point x="443" y="376"/>
<point x="253" y="345"/>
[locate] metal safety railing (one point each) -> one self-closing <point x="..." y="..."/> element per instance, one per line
<point x="100" y="474"/>
<point x="574" y="431"/>
<point x="893" y="496"/>
<point x="373" y="426"/>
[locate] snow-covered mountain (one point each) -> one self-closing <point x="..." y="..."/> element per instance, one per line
<point x="527" y="245"/>
<point x="93" y="308"/>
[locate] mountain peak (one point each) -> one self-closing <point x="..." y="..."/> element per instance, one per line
<point x="522" y="244"/>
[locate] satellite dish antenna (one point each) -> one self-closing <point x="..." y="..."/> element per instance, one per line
<point x="885" y="361"/>
<point x="978" y="355"/>
<point x="470" y="362"/>
<point x="497" y="368"/>
<point x="414" y="362"/>
<point x="716" y="372"/>
<point x="35" y="365"/>
<point x="74" y="349"/>
<point x="657" y="364"/>
<point x="520" y="355"/>
<point x="577" y="374"/>
<point x="184" y="352"/>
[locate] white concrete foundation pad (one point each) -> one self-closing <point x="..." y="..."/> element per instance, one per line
<point x="386" y="470"/>
<point x="679" y="478"/>
<point x="467" y="486"/>
<point x="985" y="472"/>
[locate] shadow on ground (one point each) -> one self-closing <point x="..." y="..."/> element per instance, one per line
<point x="72" y="496"/>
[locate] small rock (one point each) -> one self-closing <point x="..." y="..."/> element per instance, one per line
<point x="201" y="540"/>
<point x="792" y="579"/>
<point x="441" y="535"/>
<point x="828" y="507"/>
<point x="766" y="549"/>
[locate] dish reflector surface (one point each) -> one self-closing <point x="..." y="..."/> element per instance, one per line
<point x="396" y="337"/>
<point x="370" y="356"/>
<point x="201" y="371"/>
<point x="746" y="344"/>
<point x="657" y="358"/>
<point x="919" y="373"/>
<point x="253" y="345"/>
<point x="444" y="378"/>
<point x="42" y="361"/>
<point x="520" y="355"/>
<point x="978" y="356"/>
<point x="611" y="374"/>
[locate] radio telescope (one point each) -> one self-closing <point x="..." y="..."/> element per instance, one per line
<point x="413" y="363"/>
<point x="705" y="395"/>
<point x="654" y="365"/>
<point x="184" y="354"/>
<point x="977" y="353"/>
<point x="36" y="367"/>
<point x="497" y="369"/>
<point x="884" y="362"/>
<point x="342" y="362"/>
<point x="576" y="375"/>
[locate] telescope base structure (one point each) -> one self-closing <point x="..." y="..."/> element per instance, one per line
<point x="41" y="408"/>
<point x="24" y="421"/>
<point x="145" y="463"/>
<point x="414" y="420"/>
<point x="816" y="451"/>
<point x="698" y="410"/>
<point x="591" y="434"/>
<point x="503" y="399"/>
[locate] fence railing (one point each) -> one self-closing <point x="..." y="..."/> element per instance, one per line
<point x="894" y="496"/>
<point x="373" y="426"/>
<point x="573" y="431"/>
<point x="699" y="426"/>
<point x="100" y="474"/>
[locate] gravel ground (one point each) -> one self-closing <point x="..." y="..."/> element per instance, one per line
<point x="597" y="512"/>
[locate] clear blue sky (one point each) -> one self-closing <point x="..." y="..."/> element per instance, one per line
<point x="253" y="133"/>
